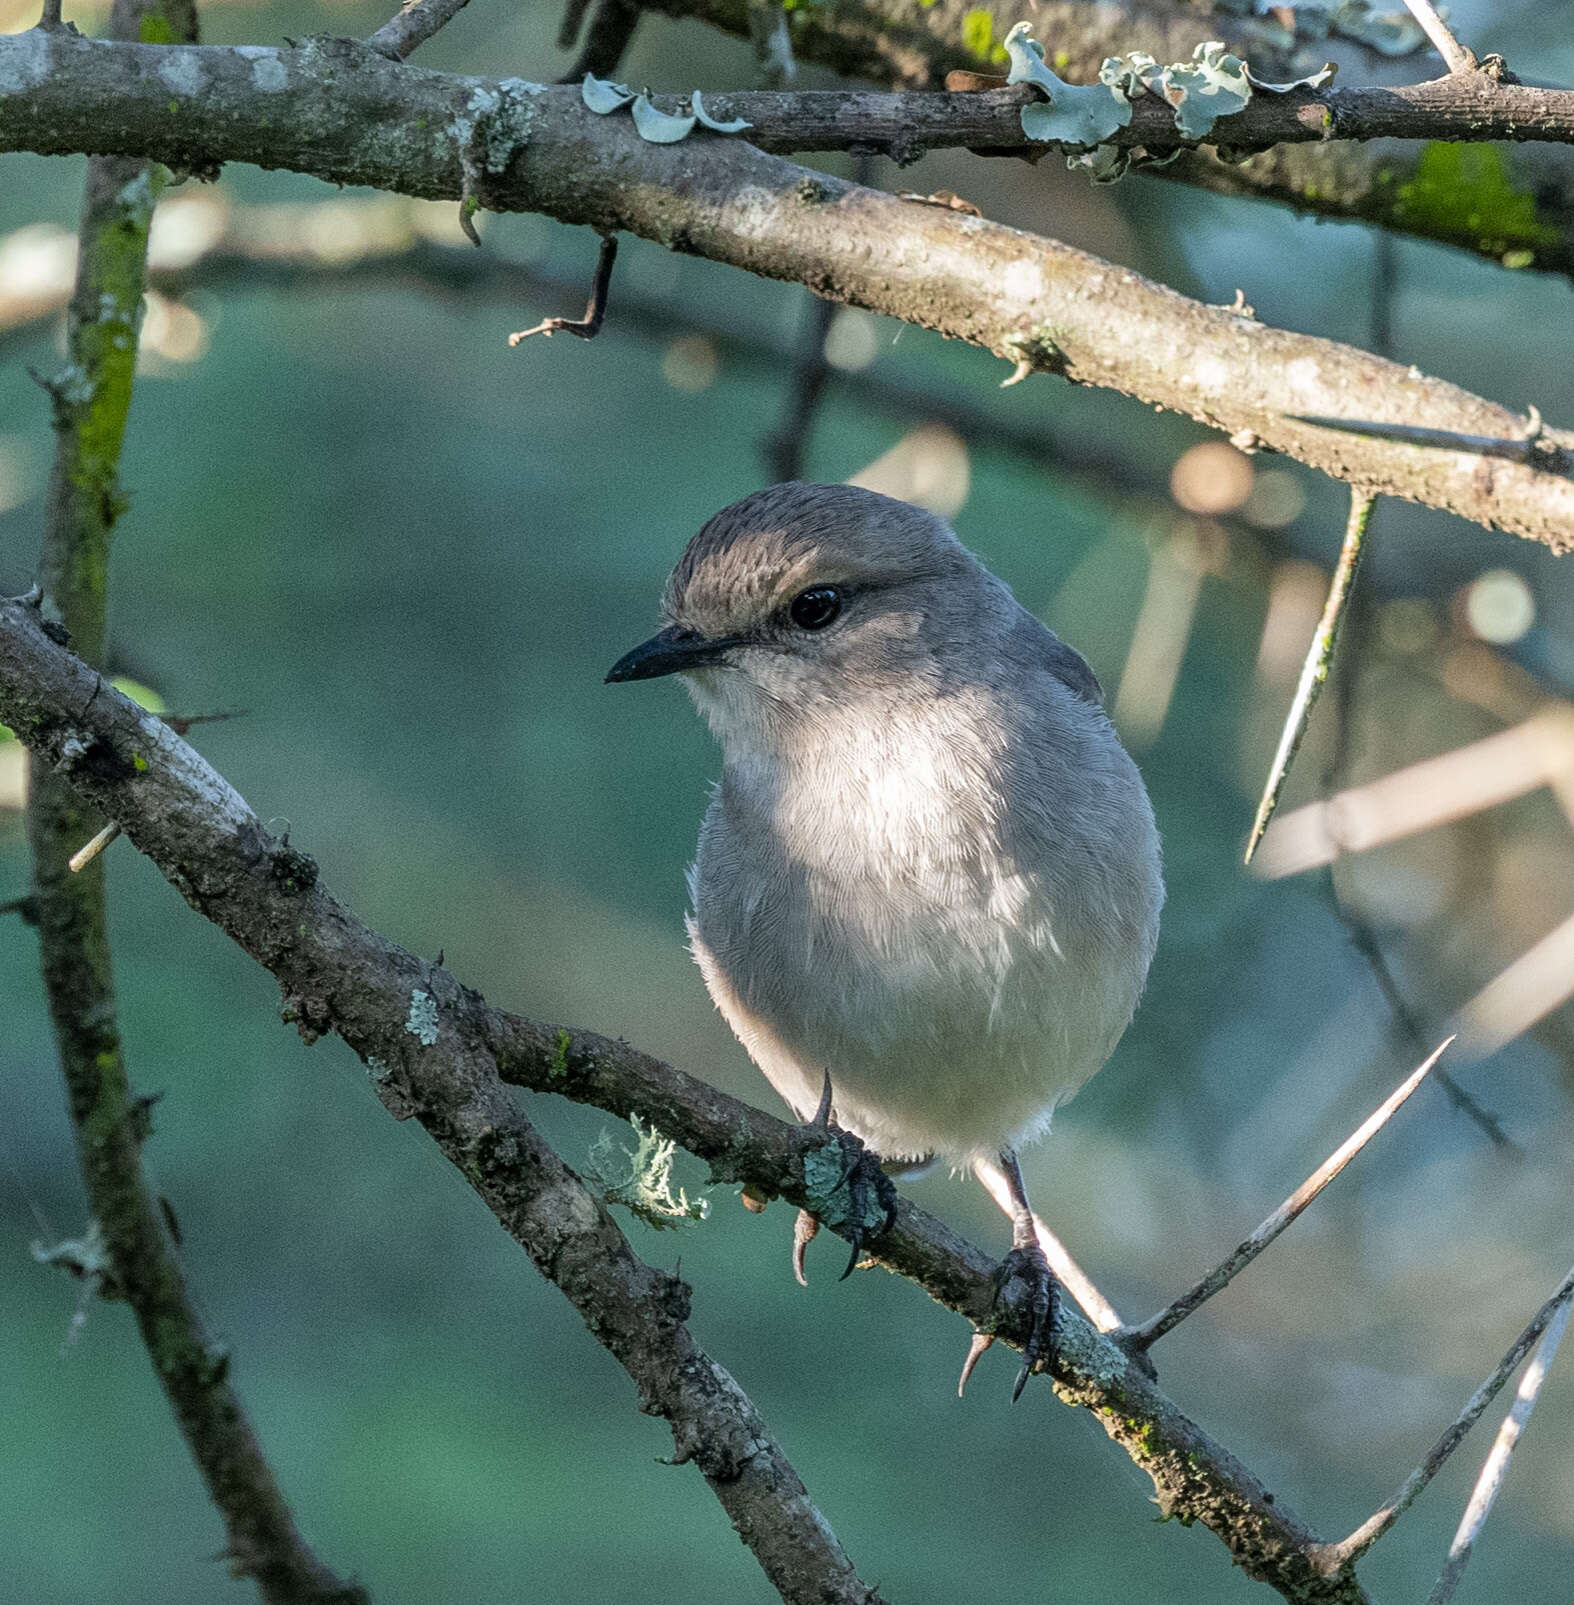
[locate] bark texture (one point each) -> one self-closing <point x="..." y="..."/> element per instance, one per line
<point x="345" y="113"/>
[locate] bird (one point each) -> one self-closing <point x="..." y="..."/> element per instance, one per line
<point x="929" y="876"/>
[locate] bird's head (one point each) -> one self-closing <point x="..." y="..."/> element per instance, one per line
<point x="801" y="599"/>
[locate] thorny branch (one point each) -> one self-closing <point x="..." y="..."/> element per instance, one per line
<point x="436" y="1050"/>
<point x="1030" y="300"/>
<point x="140" y="1264"/>
<point x="396" y="1010"/>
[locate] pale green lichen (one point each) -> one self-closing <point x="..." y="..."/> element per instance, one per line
<point x="1213" y="84"/>
<point x="422" y="1020"/>
<point x="828" y="1190"/>
<point x="640" y="1178"/>
<point x="1073" y="114"/>
<point x="658" y="127"/>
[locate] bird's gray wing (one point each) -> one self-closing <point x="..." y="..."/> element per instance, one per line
<point x="1070" y="667"/>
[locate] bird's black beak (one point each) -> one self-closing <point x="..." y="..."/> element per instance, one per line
<point x="670" y="652"/>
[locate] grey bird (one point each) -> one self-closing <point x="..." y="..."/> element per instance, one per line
<point x="929" y="876"/>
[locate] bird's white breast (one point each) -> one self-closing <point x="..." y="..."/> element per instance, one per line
<point x="912" y="907"/>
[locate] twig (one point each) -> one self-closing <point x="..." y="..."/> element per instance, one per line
<point x="412" y="25"/>
<point x="1139" y="1338"/>
<point x="1447" y="46"/>
<point x="785" y="447"/>
<point x="51" y="15"/>
<point x="772" y="41"/>
<point x="1318" y="658"/>
<point x="83" y="504"/>
<point x="611" y="32"/>
<point x="572" y="21"/>
<point x="1359" y="932"/>
<point x="589" y="326"/>
<point x="1334" y="1556"/>
<point x="1496" y="1466"/>
<point x="84" y="856"/>
<point x="201" y="834"/>
<point x="1525" y="448"/>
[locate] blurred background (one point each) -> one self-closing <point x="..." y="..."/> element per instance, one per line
<point x="409" y="553"/>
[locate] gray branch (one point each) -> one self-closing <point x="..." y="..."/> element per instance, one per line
<point x="68" y="906"/>
<point x="1513" y="205"/>
<point x="342" y="112"/>
<point x="398" y="1012"/>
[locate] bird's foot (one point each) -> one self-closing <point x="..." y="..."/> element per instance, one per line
<point x="857" y="1192"/>
<point x="1027" y="1260"/>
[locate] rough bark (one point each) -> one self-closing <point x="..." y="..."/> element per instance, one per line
<point x="344" y="113"/>
<point x="1513" y="205"/>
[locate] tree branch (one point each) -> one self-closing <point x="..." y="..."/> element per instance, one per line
<point x="412" y="25"/>
<point x="635" y="1311"/>
<point x="1514" y="206"/>
<point x="1458" y="59"/>
<point x="438" y="1050"/>
<point x="340" y="111"/>
<point x="91" y="398"/>
<point x="1357" y="1543"/>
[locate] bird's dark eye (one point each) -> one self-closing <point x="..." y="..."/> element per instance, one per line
<point x="815" y="608"/>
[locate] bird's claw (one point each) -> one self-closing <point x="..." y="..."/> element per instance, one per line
<point x="804" y="1231"/>
<point x="861" y="1175"/>
<point x="1028" y="1260"/>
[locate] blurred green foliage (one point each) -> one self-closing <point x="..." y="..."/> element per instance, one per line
<point x="409" y="553"/>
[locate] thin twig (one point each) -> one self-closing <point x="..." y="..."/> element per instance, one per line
<point x="1335" y="1556"/>
<point x="412" y="25"/>
<point x="51" y="15"/>
<point x="786" y="446"/>
<point x="1496" y="1466"/>
<point x="1318" y="658"/>
<point x="1357" y="929"/>
<point x="84" y="856"/>
<point x="589" y="326"/>
<point x="110" y="1121"/>
<point x="1138" y="1338"/>
<point x="572" y="21"/>
<point x="611" y="32"/>
<point x="772" y="41"/>
<point x="1447" y="46"/>
<point x="1525" y="448"/>
<point x="1364" y="940"/>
